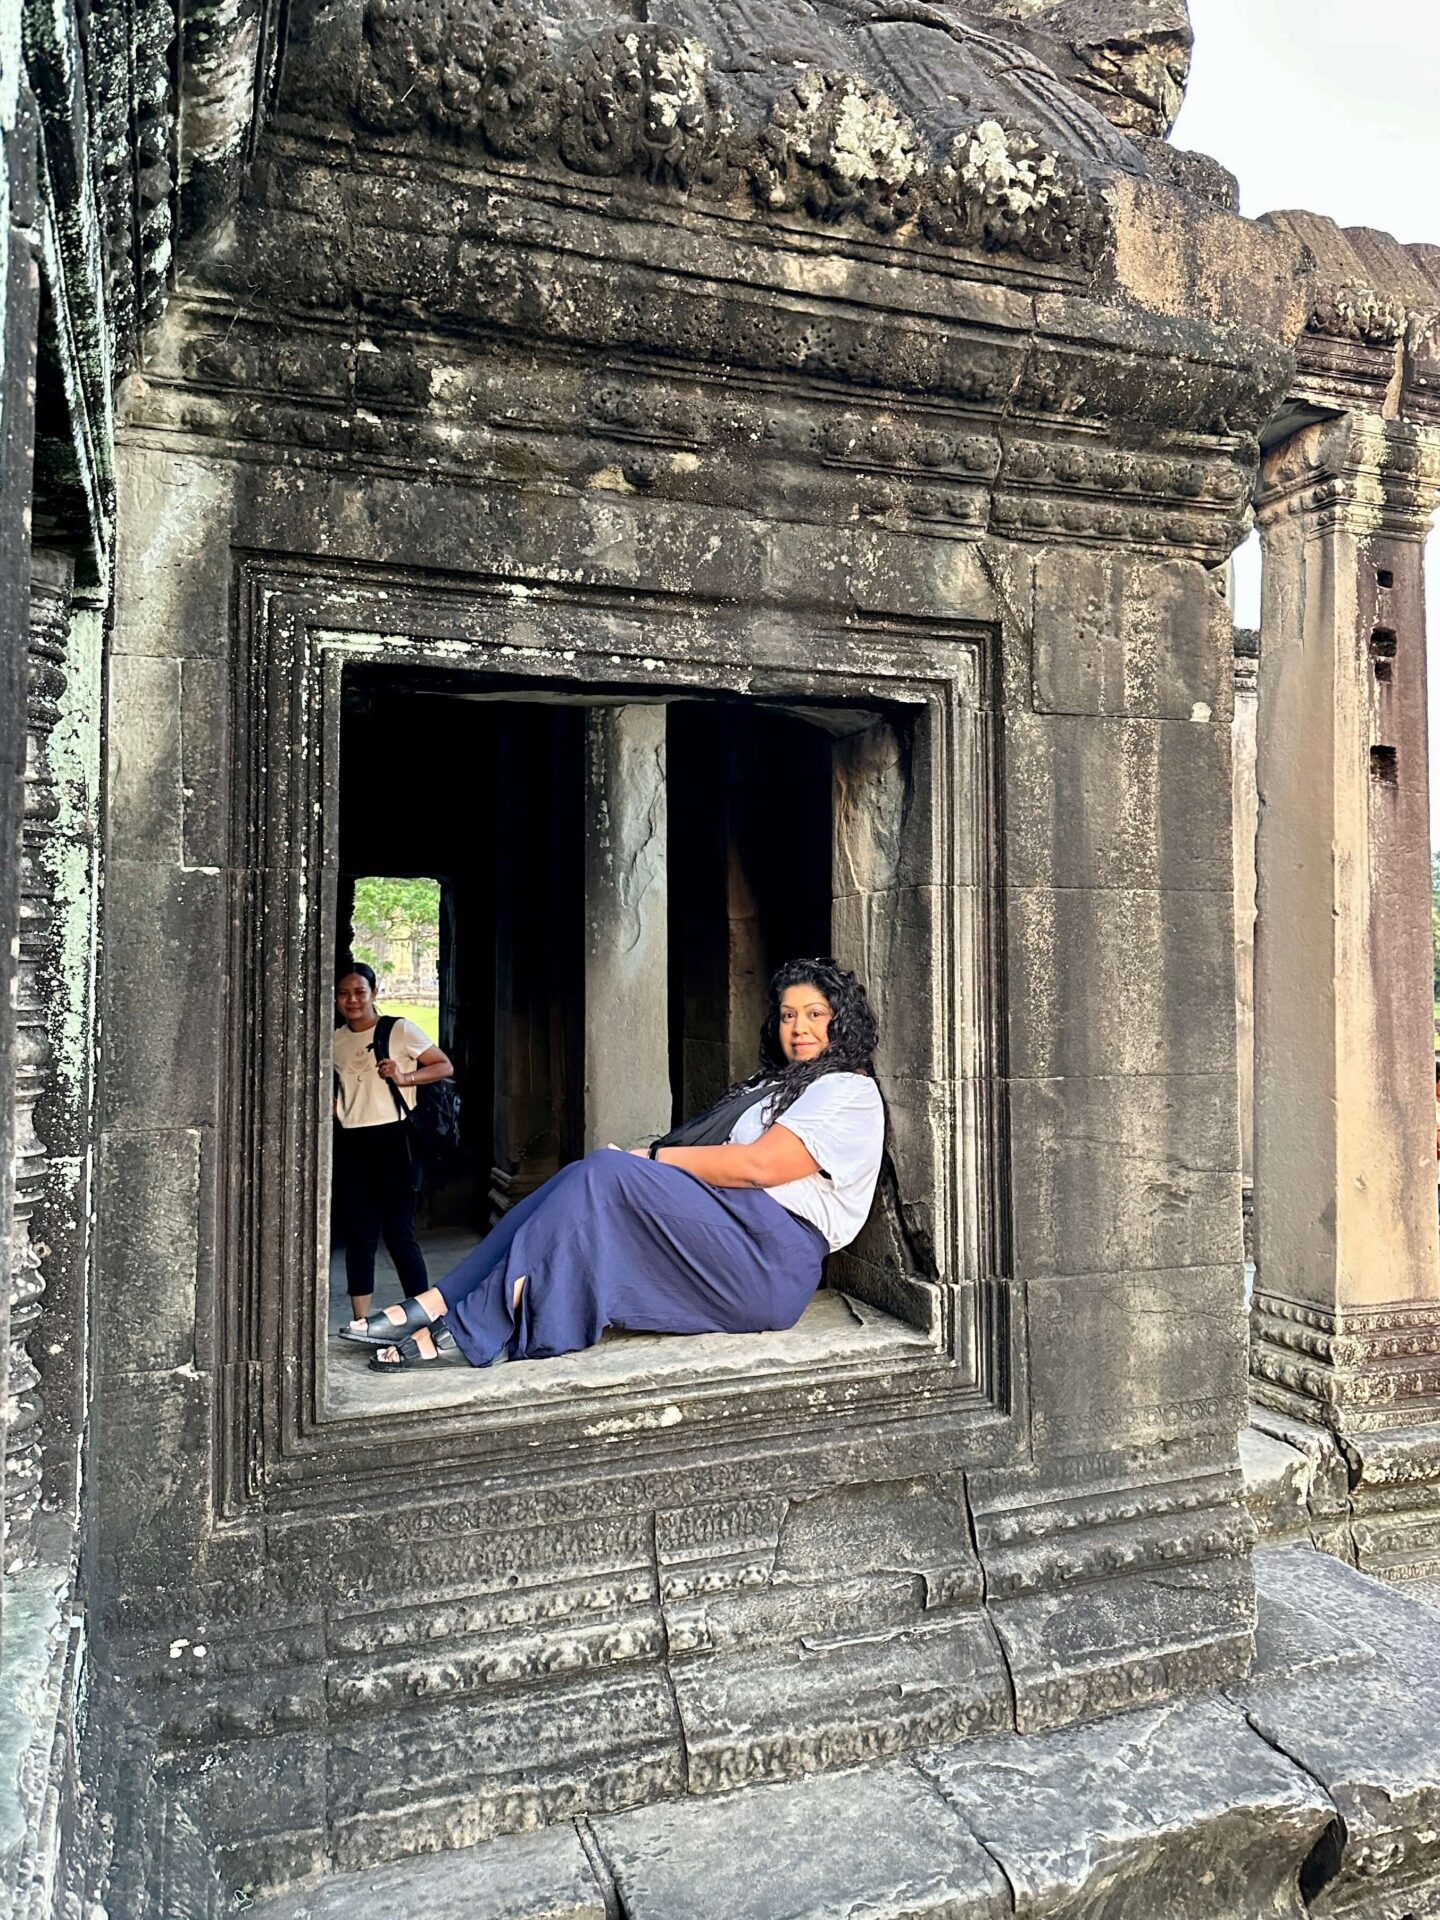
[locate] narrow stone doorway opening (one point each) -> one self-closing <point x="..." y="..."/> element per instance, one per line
<point x="617" y="880"/>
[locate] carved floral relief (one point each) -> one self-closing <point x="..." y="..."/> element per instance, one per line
<point x="645" y="100"/>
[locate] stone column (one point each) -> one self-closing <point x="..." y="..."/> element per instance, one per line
<point x="1346" y="1330"/>
<point x="627" y="1050"/>
<point x="1245" y="817"/>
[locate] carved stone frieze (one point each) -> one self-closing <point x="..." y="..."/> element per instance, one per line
<point x="648" y="101"/>
<point x="38" y="980"/>
<point x="1362" y="472"/>
<point x="1360" y="1370"/>
<point x="643" y="100"/>
<point x="1358" y="313"/>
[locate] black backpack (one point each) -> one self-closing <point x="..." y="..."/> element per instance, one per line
<point x="434" y="1121"/>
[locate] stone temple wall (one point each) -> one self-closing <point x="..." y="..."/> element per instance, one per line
<point x="526" y="420"/>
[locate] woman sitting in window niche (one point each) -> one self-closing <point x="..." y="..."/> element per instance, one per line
<point x="721" y="1227"/>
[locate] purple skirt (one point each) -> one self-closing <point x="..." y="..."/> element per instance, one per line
<point x="616" y="1241"/>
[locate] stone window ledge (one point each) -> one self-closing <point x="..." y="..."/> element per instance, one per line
<point x="834" y="1328"/>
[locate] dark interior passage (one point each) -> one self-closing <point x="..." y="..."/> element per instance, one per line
<point x="750" y="855"/>
<point x="487" y="795"/>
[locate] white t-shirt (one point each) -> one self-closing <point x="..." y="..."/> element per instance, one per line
<point x="362" y="1098"/>
<point x="841" y="1120"/>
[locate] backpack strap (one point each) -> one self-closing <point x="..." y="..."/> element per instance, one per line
<point x="384" y="1027"/>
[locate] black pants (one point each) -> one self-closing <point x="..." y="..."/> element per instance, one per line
<point x="377" y="1200"/>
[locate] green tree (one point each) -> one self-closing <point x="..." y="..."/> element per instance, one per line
<point x="393" y="909"/>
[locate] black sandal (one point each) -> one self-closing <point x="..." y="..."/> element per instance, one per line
<point x="381" y="1331"/>
<point x="409" y="1356"/>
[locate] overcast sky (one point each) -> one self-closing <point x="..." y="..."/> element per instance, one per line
<point x="1331" y="105"/>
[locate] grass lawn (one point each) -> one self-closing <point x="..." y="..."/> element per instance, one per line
<point x="427" y="1018"/>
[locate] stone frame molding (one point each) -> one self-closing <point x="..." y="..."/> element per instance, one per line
<point x="297" y="630"/>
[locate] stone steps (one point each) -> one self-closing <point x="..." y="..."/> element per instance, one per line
<point x="1313" y="1789"/>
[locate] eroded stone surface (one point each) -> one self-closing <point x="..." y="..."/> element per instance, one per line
<point x="1180" y="1811"/>
<point x="533" y="1876"/>
<point x="881" y="1845"/>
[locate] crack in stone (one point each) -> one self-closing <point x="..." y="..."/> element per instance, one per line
<point x="916" y="1764"/>
<point x="1337" y="1827"/>
<point x="614" y="1906"/>
<point x="665" y="1653"/>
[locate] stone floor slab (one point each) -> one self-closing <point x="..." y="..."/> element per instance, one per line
<point x="1179" y="1811"/>
<point x="529" y="1876"/>
<point x="879" y="1845"/>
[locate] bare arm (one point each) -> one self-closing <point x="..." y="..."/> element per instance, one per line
<point x="776" y="1157"/>
<point x="433" y="1064"/>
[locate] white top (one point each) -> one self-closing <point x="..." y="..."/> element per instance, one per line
<point x="362" y="1098"/>
<point x="841" y="1120"/>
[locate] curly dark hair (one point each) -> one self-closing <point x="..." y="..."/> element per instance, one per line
<point x="854" y="1032"/>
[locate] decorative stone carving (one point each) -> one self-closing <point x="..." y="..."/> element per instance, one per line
<point x="34" y="1058"/>
<point x="518" y="98"/>
<point x="643" y="100"/>
<point x="1358" y="313"/>
<point x="834" y="146"/>
<point x="1002" y="187"/>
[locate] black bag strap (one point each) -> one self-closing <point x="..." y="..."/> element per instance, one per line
<point x="714" y="1127"/>
<point x="380" y="1046"/>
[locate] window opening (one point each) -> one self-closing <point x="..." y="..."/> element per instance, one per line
<point x="462" y="880"/>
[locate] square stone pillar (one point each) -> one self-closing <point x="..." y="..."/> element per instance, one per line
<point x="627" y="1043"/>
<point x="1346" y="1327"/>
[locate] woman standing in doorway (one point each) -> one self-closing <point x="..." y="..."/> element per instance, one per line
<point x="720" y="1227"/>
<point x="374" y="1186"/>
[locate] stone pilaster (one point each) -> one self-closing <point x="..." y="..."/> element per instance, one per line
<point x="627" y="1044"/>
<point x="1346" y="1323"/>
<point x="1244" y="802"/>
<point x="51" y="582"/>
<point x="19" y="264"/>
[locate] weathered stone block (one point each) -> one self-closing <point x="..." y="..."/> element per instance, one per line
<point x="1130" y="1359"/>
<point x="1121" y="636"/>
<point x="172" y="585"/>
<point x="532" y="1876"/>
<point x="149" y="1198"/>
<point x="1117" y="803"/>
<point x="1116" y="1174"/>
<point x="878" y="1844"/>
<point x="893" y="939"/>
<point x="1179" y="1811"/>
<point x="509" y="1760"/>
<point x="1364" y="1732"/>
<point x="166" y="942"/>
<point x="151" y="1449"/>
<point x="145" y="804"/>
<point x="764" y="1713"/>
<point x="1115" y="980"/>
<point x="1082" y="1650"/>
<point x="204" y="764"/>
